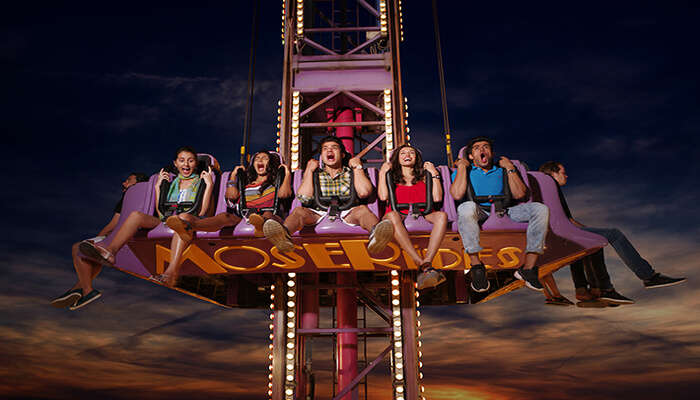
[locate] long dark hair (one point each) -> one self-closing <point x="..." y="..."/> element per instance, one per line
<point x="272" y="167"/>
<point x="397" y="175"/>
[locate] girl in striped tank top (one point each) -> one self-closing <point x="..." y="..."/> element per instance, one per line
<point x="259" y="193"/>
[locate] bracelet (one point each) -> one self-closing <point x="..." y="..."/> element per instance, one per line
<point x="303" y="199"/>
<point x="436" y="177"/>
<point x="231" y="183"/>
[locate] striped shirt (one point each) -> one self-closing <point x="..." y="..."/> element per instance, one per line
<point x="255" y="199"/>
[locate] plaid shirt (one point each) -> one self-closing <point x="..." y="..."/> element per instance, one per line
<point x="338" y="186"/>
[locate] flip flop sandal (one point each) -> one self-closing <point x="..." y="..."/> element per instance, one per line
<point x="160" y="279"/>
<point x="96" y="253"/>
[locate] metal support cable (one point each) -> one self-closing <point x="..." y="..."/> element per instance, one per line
<point x="251" y="85"/>
<point x="443" y="91"/>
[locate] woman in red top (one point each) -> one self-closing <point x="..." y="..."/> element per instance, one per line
<point x="408" y="173"/>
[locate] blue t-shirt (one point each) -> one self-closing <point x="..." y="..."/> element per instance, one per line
<point x="485" y="183"/>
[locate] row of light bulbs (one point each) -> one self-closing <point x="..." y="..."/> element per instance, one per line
<point x="290" y="352"/>
<point x="296" y="108"/>
<point x="388" y="125"/>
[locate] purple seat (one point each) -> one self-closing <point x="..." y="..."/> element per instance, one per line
<point x="493" y="222"/>
<point x="161" y="230"/>
<point x="558" y="221"/>
<point x="326" y="226"/>
<point x="417" y="223"/>
<point x="139" y="197"/>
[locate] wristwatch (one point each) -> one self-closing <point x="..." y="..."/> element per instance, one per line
<point x="512" y="171"/>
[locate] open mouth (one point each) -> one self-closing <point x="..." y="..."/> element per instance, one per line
<point x="186" y="171"/>
<point x="483" y="158"/>
<point x="260" y="168"/>
<point x="330" y="157"/>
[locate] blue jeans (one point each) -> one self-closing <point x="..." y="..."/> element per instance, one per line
<point x="535" y="214"/>
<point x="625" y="250"/>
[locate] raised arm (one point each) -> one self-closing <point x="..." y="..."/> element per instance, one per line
<point x="162" y="175"/>
<point x="437" y="187"/>
<point x="286" y="187"/>
<point x="206" y="200"/>
<point x="517" y="187"/>
<point x="459" y="186"/>
<point x="232" y="184"/>
<point x="382" y="189"/>
<point x="363" y="186"/>
<point x="306" y="189"/>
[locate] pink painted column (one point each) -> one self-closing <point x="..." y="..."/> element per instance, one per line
<point x="345" y="133"/>
<point x="347" y="342"/>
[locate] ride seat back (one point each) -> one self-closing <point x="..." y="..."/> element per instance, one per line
<point x="559" y="223"/>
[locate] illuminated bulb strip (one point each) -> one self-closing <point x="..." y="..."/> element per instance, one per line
<point x="296" y="108"/>
<point x="284" y="18"/>
<point x="401" y="20"/>
<point x="420" y="343"/>
<point x="272" y="337"/>
<point x="383" y="23"/>
<point x="388" y="125"/>
<point x="300" y="17"/>
<point x="397" y="354"/>
<point x="289" y="381"/>
<point x="279" y="118"/>
<point x="405" y="104"/>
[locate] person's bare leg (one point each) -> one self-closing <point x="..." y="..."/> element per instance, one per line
<point x="530" y="260"/>
<point x="299" y="217"/>
<point x="401" y="236"/>
<point x="439" y="221"/>
<point x="361" y="215"/>
<point x="85" y="269"/>
<point x="211" y="224"/>
<point x="133" y="223"/>
<point x="550" y="285"/>
<point x="177" y="247"/>
<point x="474" y="259"/>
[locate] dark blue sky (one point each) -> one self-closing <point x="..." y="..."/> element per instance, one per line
<point x="91" y="92"/>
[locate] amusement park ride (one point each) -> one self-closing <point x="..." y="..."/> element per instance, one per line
<point x="342" y="76"/>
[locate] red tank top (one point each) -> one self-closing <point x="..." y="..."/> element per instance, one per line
<point x="409" y="194"/>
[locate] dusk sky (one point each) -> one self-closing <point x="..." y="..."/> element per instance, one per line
<point x="91" y="92"/>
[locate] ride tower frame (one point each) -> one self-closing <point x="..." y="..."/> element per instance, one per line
<point x="342" y="76"/>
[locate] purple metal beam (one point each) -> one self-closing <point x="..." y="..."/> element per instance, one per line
<point x="319" y="47"/>
<point x="363" y="102"/>
<point x="369" y="8"/>
<point x="362" y="374"/>
<point x="319" y="103"/>
<point x="333" y="124"/>
<point x="365" y="44"/>
<point x="344" y="29"/>
<point x="303" y="331"/>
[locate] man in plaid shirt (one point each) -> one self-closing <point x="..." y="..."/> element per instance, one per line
<point x="334" y="180"/>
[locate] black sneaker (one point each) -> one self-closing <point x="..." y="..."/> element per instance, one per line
<point x="531" y="278"/>
<point x="658" y="280"/>
<point x="68" y="298"/>
<point x="479" y="282"/>
<point x="611" y="296"/>
<point x="87" y="299"/>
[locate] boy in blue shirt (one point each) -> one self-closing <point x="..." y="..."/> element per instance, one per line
<point x="483" y="179"/>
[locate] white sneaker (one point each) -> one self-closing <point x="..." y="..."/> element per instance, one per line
<point x="278" y="235"/>
<point x="381" y="235"/>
